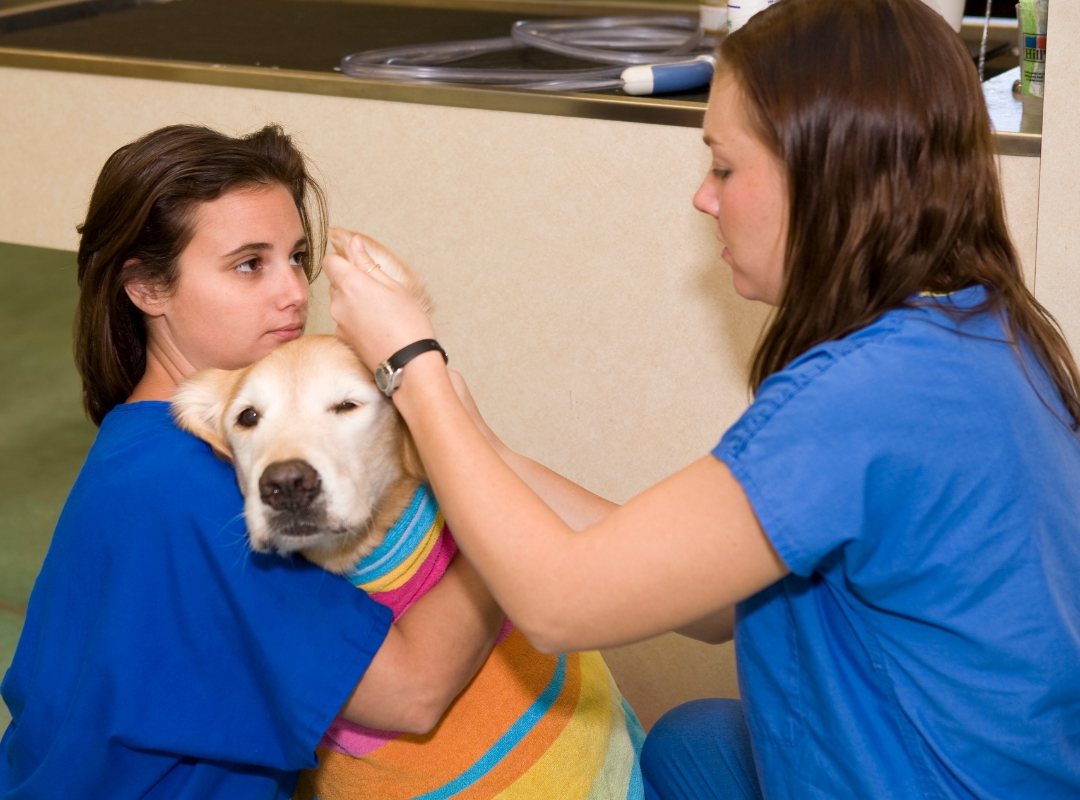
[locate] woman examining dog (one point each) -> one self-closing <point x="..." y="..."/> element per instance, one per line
<point x="160" y="657"/>
<point x="891" y="532"/>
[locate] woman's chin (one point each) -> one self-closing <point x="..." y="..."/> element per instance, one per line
<point x="746" y="289"/>
<point x="265" y="346"/>
<point x="750" y="290"/>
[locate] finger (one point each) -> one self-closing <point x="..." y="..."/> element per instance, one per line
<point x="359" y="255"/>
<point x="339" y="270"/>
<point x="339" y="238"/>
<point x="336" y="268"/>
<point x="382" y="276"/>
<point x="373" y="269"/>
<point x="376" y="249"/>
<point x="461" y="389"/>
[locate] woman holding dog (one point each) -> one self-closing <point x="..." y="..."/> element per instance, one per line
<point x="160" y="657"/>
<point x="891" y="532"/>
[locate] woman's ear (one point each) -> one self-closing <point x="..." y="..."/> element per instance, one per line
<point x="145" y="294"/>
<point x="199" y="406"/>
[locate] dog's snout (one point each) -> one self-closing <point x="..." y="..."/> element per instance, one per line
<point x="289" y="485"/>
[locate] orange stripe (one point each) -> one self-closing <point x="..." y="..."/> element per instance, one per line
<point x="506" y="686"/>
<point x="521" y="759"/>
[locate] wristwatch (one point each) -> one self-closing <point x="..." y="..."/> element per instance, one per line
<point x="388" y="373"/>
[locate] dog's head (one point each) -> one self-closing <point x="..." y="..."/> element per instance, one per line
<point x="315" y="444"/>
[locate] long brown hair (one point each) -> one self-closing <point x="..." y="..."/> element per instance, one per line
<point x="875" y="109"/>
<point x="140" y="220"/>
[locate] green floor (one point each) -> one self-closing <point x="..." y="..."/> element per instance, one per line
<point x="43" y="433"/>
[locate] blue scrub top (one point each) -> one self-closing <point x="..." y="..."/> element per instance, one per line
<point x="160" y="657"/>
<point x="920" y="484"/>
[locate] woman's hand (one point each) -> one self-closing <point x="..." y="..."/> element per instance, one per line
<point x="376" y="314"/>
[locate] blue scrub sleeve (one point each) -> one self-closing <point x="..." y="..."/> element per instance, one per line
<point x="804" y="462"/>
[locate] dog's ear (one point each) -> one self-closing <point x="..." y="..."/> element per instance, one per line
<point x="200" y="403"/>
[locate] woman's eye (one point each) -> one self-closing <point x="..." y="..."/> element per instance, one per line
<point x="248" y="266"/>
<point x="248" y="418"/>
<point x="722" y="174"/>
<point x="299" y="258"/>
<point x="344" y="406"/>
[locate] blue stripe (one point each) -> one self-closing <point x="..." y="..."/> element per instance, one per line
<point x="508" y="741"/>
<point x="636" y="790"/>
<point x="401" y="540"/>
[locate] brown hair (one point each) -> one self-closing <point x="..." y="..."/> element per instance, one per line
<point x="139" y="222"/>
<point x="875" y="109"/>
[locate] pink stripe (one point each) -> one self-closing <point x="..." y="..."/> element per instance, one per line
<point x="354" y="740"/>
<point x="507" y="629"/>
<point x="399" y="600"/>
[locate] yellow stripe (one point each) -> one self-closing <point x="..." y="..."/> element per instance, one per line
<point x="614" y="778"/>
<point x="407" y="568"/>
<point x="569" y="767"/>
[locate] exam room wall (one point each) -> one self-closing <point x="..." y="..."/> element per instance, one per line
<point x="577" y="289"/>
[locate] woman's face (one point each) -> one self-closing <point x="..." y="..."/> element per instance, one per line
<point x="242" y="290"/>
<point x="746" y="193"/>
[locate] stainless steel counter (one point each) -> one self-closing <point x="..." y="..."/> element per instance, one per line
<point x="305" y="31"/>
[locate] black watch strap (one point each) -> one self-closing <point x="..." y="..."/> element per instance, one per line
<point x="408" y="353"/>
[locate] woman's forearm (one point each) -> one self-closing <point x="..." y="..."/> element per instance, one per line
<point x="513" y="537"/>
<point x="578" y="507"/>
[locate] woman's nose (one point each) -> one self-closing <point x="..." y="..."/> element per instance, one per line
<point x="705" y="198"/>
<point x="294" y="287"/>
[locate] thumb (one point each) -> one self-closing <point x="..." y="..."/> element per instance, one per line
<point x="359" y="255"/>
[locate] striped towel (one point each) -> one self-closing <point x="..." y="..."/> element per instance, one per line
<point x="529" y="725"/>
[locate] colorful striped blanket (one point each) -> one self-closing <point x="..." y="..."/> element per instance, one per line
<point x="528" y="726"/>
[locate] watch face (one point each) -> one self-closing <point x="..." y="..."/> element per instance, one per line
<point x="384" y="379"/>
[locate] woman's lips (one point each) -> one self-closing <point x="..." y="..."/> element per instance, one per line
<point x="726" y="255"/>
<point x="288" y="333"/>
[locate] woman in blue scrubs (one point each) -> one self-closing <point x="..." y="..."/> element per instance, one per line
<point x="160" y="657"/>
<point x="891" y="532"/>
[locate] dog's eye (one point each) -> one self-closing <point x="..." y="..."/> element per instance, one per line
<point x="345" y="405"/>
<point x="248" y="418"/>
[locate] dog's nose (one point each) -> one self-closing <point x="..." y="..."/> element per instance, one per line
<point x="289" y="485"/>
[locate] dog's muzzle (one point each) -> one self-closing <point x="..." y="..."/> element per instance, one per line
<point x="289" y="486"/>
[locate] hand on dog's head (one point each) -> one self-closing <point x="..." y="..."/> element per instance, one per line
<point x="354" y="246"/>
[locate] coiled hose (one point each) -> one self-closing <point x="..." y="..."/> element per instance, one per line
<point x="674" y="52"/>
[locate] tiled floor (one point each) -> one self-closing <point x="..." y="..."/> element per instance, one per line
<point x="43" y="433"/>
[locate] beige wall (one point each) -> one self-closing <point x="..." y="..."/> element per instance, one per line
<point x="578" y="291"/>
<point x="1020" y="182"/>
